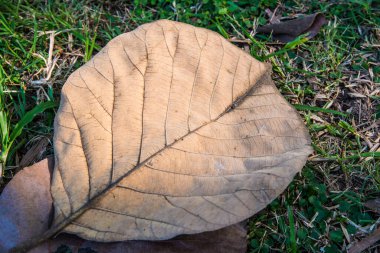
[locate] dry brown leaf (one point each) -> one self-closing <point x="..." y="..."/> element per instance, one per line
<point x="35" y="153"/>
<point x="25" y="206"/>
<point x="170" y="130"/>
<point x="373" y="204"/>
<point x="288" y="30"/>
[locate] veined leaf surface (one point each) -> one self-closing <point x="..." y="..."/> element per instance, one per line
<point x="170" y="130"/>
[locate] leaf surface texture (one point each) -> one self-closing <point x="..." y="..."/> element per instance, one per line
<point x="170" y="130"/>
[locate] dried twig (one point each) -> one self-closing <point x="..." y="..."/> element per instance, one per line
<point x="366" y="242"/>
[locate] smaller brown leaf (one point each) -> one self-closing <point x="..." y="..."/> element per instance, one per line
<point x="373" y="204"/>
<point x="35" y="153"/>
<point x="288" y="30"/>
<point x="26" y="204"/>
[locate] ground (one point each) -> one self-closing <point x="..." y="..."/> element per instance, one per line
<point x="333" y="79"/>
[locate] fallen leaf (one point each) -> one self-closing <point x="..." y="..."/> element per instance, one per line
<point x="164" y="165"/>
<point x="34" y="153"/>
<point x="373" y="204"/>
<point x="26" y="205"/>
<point x="286" y="31"/>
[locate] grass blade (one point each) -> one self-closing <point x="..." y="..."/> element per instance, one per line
<point x="28" y="117"/>
<point x="318" y="109"/>
<point x="365" y="154"/>
<point x="292" y="231"/>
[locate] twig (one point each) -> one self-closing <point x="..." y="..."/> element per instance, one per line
<point x="50" y="62"/>
<point x="366" y="242"/>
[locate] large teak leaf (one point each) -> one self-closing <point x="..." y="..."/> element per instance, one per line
<point x="170" y="130"/>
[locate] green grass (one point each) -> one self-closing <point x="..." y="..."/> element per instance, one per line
<point x="331" y="79"/>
